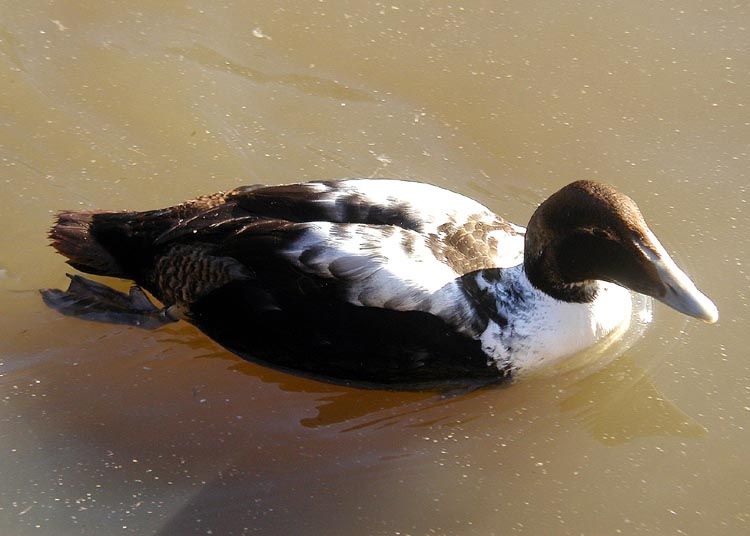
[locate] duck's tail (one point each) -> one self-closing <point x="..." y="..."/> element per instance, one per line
<point x="121" y="244"/>
<point x="73" y="237"/>
<point x="115" y="244"/>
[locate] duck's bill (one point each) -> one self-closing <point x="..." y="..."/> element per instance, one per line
<point x="683" y="296"/>
<point x="681" y="293"/>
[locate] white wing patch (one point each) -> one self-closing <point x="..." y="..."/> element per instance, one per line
<point x="462" y="233"/>
<point x="510" y="247"/>
<point x="431" y="205"/>
<point x="436" y="207"/>
<point x="378" y="270"/>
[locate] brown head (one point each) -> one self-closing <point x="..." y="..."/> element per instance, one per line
<point x="589" y="231"/>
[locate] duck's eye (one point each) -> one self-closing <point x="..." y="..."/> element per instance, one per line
<point x="601" y="233"/>
<point x="636" y="237"/>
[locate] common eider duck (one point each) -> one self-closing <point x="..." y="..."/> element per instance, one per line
<point x="377" y="280"/>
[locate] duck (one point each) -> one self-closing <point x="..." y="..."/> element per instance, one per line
<point x="380" y="281"/>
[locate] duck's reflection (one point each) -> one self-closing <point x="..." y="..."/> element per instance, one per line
<point x="298" y="433"/>
<point x="354" y="407"/>
<point x="620" y="403"/>
<point x="615" y="404"/>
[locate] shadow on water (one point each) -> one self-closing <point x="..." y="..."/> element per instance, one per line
<point x="616" y="404"/>
<point x="338" y="404"/>
<point x="620" y="403"/>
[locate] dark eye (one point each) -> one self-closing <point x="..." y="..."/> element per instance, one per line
<point x="601" y="233"/>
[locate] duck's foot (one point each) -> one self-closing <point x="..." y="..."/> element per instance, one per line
<point x="94" y="301"/>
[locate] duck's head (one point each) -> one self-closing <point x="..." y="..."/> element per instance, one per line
<point x="589" y="231"/>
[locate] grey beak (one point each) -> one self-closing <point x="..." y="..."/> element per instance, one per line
<point x="682" y="293"/>
<point x="684" y="296"/>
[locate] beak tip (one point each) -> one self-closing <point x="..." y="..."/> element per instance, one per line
<point x="711" y="315"/>
<point x="695" y="304"/>
<point x="680" y="292"/>
<point x="690" y="301"/>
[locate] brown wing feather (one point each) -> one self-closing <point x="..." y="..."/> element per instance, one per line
<point x="468" y="247"/>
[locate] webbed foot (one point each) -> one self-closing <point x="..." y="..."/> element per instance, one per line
<point x="90" y="300"/>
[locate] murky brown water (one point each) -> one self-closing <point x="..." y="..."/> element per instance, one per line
<point x="109" y="430"/>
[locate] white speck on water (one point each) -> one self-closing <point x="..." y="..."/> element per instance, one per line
<point x="60" y="25"/>
<point x="257" y="32"/>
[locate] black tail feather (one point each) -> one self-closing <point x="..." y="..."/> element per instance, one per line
<point x="72" y="237"/>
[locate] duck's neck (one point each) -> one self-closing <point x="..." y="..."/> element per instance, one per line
<point x="544" y="275"/>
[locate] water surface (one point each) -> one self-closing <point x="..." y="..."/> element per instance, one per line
<point x="112" y="430"/>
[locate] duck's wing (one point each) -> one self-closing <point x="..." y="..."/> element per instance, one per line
<point x="379" y="243"/>
<point x="459" y="231"/>
<point x="410" y="205"/>
<point x="376" y="266"/>
<point x="343" y="300"/>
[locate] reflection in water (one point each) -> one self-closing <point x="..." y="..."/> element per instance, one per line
<point x="369" y="434"/>
<point x="355" y="407"/>
<point x="617" y="403"/>
<point x="620" y="403"/>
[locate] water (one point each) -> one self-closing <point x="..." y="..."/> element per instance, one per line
<point x="110" y="430"/>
